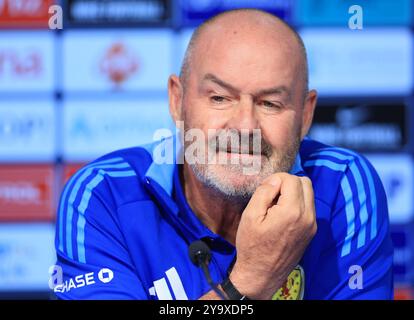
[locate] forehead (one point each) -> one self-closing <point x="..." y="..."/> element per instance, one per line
<point x="247" y="57"/>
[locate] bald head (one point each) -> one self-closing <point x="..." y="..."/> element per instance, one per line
<point x="250" y="26"/>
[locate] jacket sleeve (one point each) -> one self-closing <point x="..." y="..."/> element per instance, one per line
<point x="357" y="261"/>
<point x="93" y="261"/>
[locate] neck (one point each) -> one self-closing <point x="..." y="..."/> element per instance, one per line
<point x="217" y="212"/>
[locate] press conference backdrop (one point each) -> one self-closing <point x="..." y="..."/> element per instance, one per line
<point x="99" y="84"/>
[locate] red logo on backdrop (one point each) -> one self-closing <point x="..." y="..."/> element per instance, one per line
<point x="119" y="64"/>
<point x="26" y="192"/>
<point x="21" y="64"/>
<point x="404" y="293"/>
<point x="24" y="13"/>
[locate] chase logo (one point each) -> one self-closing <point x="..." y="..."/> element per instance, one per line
<point x="56" y="283"/>
<point x="105" y="275"/>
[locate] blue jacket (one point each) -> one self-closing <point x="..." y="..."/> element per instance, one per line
<point x="124" y="227"/>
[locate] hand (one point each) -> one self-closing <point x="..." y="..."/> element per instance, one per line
<point x="274" y="231"/>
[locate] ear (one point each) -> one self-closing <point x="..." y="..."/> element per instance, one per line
<point x="308" y="111"/>
<point x="175" y="97"/>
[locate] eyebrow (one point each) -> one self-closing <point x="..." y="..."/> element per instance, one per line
<point x="275" y="90"/>
<point x="211" y="77"/>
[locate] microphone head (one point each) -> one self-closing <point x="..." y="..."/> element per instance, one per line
<point x="199" y="252"/>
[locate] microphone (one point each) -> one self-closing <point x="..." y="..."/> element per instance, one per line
<point x="200" y="255"/>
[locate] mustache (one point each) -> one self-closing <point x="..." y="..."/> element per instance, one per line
<point x="234" y="141"/>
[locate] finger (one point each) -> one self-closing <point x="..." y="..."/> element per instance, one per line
<point x="291" y="191"/>
<point x="263" y="197"/>
<point x="274" y="179"/>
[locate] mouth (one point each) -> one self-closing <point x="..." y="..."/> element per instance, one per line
<point x="243" y="151"/>
<point x="237" y="153"/>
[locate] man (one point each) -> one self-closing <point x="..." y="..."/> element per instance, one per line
<point x="311" y="221"/>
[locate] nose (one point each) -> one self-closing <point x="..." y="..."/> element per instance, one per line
<point x="244" y="115"/>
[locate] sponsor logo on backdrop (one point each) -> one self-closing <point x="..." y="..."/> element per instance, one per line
<point x="396" y="172"/>
<point x="15" y="127"/>
<point x="26" y="192"/>
<point x="26" y="251"/>
<point x="195" y="11"/>
<point x="118" y="63"/>
<point x="116" y="12"/>
<point x="23" y="193"/>
<point x="24" y="13"/>
<point x="21" y="65"/>
<point x="94" y="128"/>
<point x="26" y="61"/>
<point x="403" y="243"/>
<point x="404" y="292"/>
<point x="27" y="131"/>
<point x="359" y="63"/>
<point x="118" y="59"/>
<point x="332" y="13"/>
<point x="364" y="127"/>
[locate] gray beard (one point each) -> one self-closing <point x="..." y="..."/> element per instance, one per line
<point x="212" y="179"/>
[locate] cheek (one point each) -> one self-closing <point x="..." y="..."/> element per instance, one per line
<point x="197" y="115"/>
<point x="280" y="132"/>
<point x="215" y="119"/>
<point x="193" y="112"/>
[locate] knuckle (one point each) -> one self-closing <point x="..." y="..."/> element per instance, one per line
<point x="307" y="181"/>
<point x="310" y="220"/>
<point x="296" y="216"/>
<point x="282" y="174"/>
<point x="298" y="182"/>
<point x="314" y="228"/>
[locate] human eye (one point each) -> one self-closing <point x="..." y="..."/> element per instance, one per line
<point x="216" y="99"/>
<point x="271" y="106"/>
